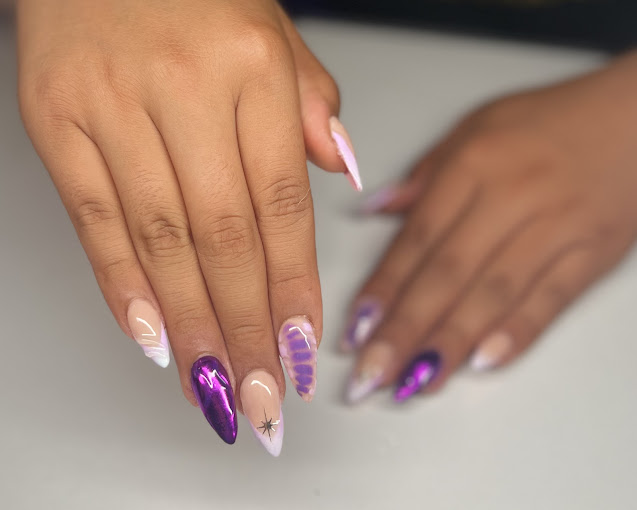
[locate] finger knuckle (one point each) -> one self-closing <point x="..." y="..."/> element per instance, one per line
<point x="480" y="150"/>
<point x="446" y="267"/>
<point x="92" y="213"/>
<point x="245" y="334"/>
<point x="228" y="239"/>
<point x="287" y="201"/>
<point x="260" y="44"/>
<point x="164" y="234"/>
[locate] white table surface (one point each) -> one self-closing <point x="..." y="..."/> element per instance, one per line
<point x="86" y="422"/>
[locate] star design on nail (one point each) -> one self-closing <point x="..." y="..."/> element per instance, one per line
<point x="268" y="425"/>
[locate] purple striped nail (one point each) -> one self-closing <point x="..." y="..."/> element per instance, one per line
<point x="297" y="347"/>
<point x="418" y="374"/>
<point x="367" y="315"/>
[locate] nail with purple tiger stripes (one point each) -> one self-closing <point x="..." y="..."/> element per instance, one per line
<point x="297" y="347"/>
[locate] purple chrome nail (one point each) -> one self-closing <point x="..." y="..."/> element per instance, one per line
<point x="365" y="319"/>
<point x="297" y="347"/>
<point x="418" y="374"/>
<point x="213" y="391"/>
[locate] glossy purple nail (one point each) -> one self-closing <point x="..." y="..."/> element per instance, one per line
<point x="213" y="391"/>
<point x="366" y="317"/>
<point x="420" y="372"/>
<point x="297" y="347"/>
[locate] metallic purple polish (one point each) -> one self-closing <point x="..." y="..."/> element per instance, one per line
<point x="213" y="391"/>
<point x="420" y="372"/>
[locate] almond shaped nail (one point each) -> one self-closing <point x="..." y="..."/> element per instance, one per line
<point x="149" y="331"/>
<point x="367" y="315"/>
<point x="213" y="391"/>
<point x="418" y="374"/>
<point x="262" y="406"/>
<point x="370" y="372"/>
<point x="297" y="347"/>
<point x="345" y="151"/>
<point x="491" y="351"/>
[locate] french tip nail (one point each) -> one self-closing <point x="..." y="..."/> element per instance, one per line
<point x="418" y="374"/>
<point x="213" y="391"/>
<point x="491" y="352"/>
<point x="298" y="350"/>
<point x="149" y="331"/>
<point x="345" y="151"/>
<point x="262" y="406"/>
<point x="370" y="372"/>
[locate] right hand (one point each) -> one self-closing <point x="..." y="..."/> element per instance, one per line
<point x="176" y="134"/>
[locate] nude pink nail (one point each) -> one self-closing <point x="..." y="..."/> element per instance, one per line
<point x="491" y="351"/>
<point x="346" y="152"/>
<point x="149" y="331"/>
<point x="262" y="406"/>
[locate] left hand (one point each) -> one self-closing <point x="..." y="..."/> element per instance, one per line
<point x="511" y="217"/>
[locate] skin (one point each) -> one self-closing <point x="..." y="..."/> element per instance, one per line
<point x="176" y="134"/>
<point x="508" y="219"/>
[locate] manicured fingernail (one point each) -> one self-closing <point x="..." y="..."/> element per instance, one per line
<point x="367" y="315"/>
<point x="378" y="200"/>
<point x="370" y="372"/>
<point x="262" y="407"/>
<point x="418" y="374"/>
<point x="213" y="391"/>
<point x="149" y="331"/>
<point x="346" y="153"/>
<point x="297" y="347"/>
<point x="491" y="351"/>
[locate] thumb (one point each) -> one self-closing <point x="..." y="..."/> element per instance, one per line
<point x="327" y="142"/>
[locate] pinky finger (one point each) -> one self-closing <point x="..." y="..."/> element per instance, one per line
<point x="84" y="183"/>
<point x="552" y="294"/>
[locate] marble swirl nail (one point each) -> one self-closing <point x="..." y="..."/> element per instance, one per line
<point x="418" y="374"/>
<point x="149" y="331"/>
<point x="297" y="347"/>
<point x="262" y="406"/>
<point x="213" y="392"/>
<point x="367" y="315"/>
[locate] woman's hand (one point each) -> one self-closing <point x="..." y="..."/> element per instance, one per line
<point x="176" y="134"/>
<point x="510" y="218"/>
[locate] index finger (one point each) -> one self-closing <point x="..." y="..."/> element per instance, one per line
<point x="273" y="154"/>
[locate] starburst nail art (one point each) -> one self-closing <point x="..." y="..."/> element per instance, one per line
<point x="262" y="406"/>
<point x="268" y="425"/>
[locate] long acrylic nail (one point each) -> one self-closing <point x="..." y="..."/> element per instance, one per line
<point x="368" y="313"/>
<point x="262" y="407"/>
<point x="346" y="153"/>
<point x="149" y="331"/>
<point x="418" y="374"/>
<point x="211" y="385"/>
<point x="370" y="372"/>
<point x="491" y="351"/>
<point x="378" y="200"/>
<point x="297" y="347"/>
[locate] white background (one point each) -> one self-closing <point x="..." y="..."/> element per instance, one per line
<point x="86" y="422"/>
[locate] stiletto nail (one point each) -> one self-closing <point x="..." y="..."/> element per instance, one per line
<point x="491" y="351"/>
<point x="346" y="153"/>
<point x="370" y="372"/>
<point x="378" y="200"/>
<point x="418" y="374"/>
<point x="367" y="315"/>
<point x="149" y="331"/>
<point x="213" y="391"/>
<point x="297" y="347"/>
<point x="262" y="407"/>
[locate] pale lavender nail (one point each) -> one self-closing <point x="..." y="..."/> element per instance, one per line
<point x="366" y="316"/>
<point x="297" y="347"/>
<point x="346" y="153"/>
<point x="378" y="200"/>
